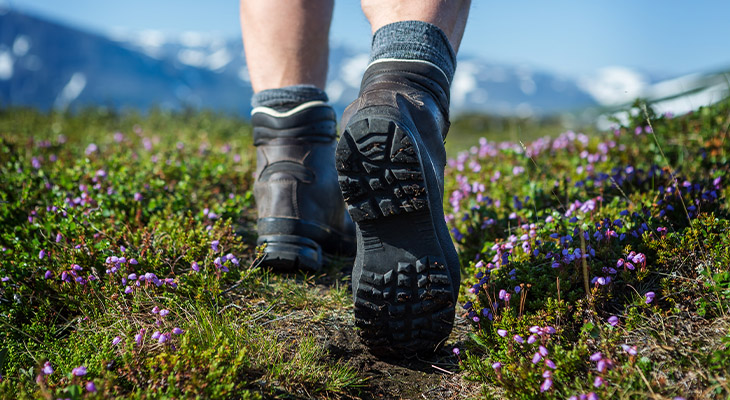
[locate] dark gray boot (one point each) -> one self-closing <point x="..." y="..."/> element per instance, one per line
<point x="301" y="215"/>
<point x="390" y="160"/>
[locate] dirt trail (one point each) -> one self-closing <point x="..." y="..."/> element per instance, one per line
<point x="412" y="377"/>
<point x="436" y="377"/>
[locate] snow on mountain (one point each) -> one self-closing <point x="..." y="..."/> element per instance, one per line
<point x="614" y="85"/>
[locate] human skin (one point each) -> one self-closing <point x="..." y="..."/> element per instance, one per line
<point x="287" y="41"/>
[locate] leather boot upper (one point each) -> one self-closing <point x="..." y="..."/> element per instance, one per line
<point x="296" y="178"/>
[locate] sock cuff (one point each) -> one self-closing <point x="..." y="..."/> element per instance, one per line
<point x="288" y="97"/>
<point x="414" y="40"/>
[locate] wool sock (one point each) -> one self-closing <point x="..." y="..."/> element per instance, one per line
<point x="414" y="40"/>
<point x="288" y="97"/>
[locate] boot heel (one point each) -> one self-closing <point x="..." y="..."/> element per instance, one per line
<point x="288" y="253"/>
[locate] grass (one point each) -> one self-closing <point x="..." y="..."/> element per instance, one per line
<point x="598" y="266"/>
<point x="91" y="198"/>
<point x="117" y="199"/>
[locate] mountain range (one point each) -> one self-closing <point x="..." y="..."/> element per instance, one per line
<point x="47" y="65"/>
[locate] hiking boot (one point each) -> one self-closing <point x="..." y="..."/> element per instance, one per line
<point x="301" y="215"/>
<point x="390" y="159"/>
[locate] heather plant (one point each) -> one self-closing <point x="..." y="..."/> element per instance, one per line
<point x="595" y="266"/>
<point x="576" y="246"/>
<point x="128" y="270"/>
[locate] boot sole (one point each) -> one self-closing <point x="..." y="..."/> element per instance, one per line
<point x="285" y="253"/>
<point x="298" y="245"/>
<point x="403" y="291"/>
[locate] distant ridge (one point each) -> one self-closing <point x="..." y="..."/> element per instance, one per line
<point x="47" y="65"/>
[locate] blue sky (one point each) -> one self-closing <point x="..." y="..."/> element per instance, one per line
<point x="668" y="37"/>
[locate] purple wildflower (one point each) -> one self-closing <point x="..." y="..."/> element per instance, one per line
<point x="546" y="385"/>
<point x="649" y="297"/>
<point x="596" y="356"/>
<point x="455" y="350"/>
<point x="518" y="339"/>
<point x="48" y="274"/>
<point x="598" y="382"/>
<point x="156" y="335"/>
<point x="501" y="332"/>
<point x="195" y="266"/>
<point x="79" y="371"/>
<point x="550" y="364"/>
<point x="47" y="368"/>
<point x="613" y="320"/>
<point x="632" y="350"/>
<point x="133" y="261"/>
<point x="128" y="290"/>
<point x="532" y="339"/>
<point x="214" y="245"/>
<point x="164" y="312"/>
<point x="116" y="340"/>
<point x="41" y="254"/>
<point x="162" y="338"/>
<point x="90" y="387"/>
<point x="177" y="331"/>
<point x="138" y="196"/>
<point x="543" y="351"/>
<point x="536" y="358"/>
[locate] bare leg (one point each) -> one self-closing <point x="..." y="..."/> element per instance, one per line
<point x="286" y="41"/>
<point x="449" y="15"/>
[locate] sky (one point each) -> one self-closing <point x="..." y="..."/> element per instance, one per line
<point x="665" y="38"/>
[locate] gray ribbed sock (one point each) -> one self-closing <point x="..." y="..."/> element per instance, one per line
<point x="414" y="40"/>
<point x="288" y="97"/>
